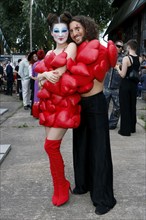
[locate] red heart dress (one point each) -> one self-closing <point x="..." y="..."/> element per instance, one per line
<point x="59" y="102"/>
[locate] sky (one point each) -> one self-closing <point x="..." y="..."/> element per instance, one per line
<point x="103" y="41"/>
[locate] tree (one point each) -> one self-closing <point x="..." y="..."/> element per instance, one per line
<point x="10" y="20"/>
<point x="14" y="17"/>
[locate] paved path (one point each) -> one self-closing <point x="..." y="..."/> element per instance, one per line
<point x="26" y="186"/>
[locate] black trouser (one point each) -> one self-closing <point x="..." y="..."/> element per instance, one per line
<point x="9" y="87"/>
<point x="19" y="88"/>
<point x="127" y="97"/>
<point x="91" y="152"/>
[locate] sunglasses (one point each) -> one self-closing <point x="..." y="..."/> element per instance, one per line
<point x="119" y="46"/>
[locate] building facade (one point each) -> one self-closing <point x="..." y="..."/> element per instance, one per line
<point x="129" y="22"/>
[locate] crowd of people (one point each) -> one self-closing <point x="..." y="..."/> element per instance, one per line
<point x="21" y="79"/>
<point x="71" y="87"/>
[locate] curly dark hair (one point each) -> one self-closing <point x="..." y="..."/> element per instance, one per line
<point x="91" y="28"/>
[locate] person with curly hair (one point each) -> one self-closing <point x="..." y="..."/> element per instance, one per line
<point x="93" y="169"/>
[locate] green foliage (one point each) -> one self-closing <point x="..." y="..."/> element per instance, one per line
<point x="15" y="19"/>
<point x="9" y="14"/>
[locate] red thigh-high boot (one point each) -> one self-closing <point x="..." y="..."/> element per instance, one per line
<point x="61" y="185"/>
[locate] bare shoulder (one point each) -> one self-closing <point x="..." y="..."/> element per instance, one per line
<point x="126" y="59"/>
<point x="71" y="50"/>
<point x="50" y="51"/>
<point x="72" y="45"/>
<point x="140" y="59"/>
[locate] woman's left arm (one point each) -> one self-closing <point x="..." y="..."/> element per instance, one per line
<point x="54" y="75"/>
<point x="71" y="52"/>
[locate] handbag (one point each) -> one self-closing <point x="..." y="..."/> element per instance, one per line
<point x="134" y="75"/>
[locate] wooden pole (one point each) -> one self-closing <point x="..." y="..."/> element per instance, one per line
<point x="30" y="24"/>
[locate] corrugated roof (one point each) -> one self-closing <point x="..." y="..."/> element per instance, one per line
<point x="127" y="9"/>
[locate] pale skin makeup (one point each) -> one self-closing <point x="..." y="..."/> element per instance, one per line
<point x="60" y="33"/>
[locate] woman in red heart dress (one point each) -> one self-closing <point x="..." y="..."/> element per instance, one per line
<point x="58" y="110"/>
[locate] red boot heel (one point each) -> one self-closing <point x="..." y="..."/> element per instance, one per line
<point x="55" y="197"/>
<point x="64" y="193"/>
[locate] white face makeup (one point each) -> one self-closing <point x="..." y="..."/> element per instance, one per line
<point x="60" y="33"/>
